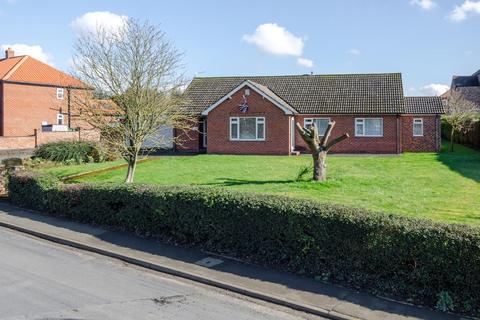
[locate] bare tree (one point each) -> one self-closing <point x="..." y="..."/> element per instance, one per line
<point x="139" y="70"/>
<point x="461" y="115"/>
<point x="319" y="147"/>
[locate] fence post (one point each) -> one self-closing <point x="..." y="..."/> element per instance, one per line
<point x="35" y="133"/>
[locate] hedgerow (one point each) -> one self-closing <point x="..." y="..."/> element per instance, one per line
<point x="414" y="259"/>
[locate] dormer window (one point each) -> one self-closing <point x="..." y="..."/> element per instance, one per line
<point x="60" y="93"/>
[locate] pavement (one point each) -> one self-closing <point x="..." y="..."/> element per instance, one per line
<point x="286" y="290"/>
<point x="43" y="280"/>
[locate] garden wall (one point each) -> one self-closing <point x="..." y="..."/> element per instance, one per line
<point x="411" y="259"/>
<point x="39" y="137"/>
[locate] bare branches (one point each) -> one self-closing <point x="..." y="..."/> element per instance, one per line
<point x="140" y="72"/>
<point x="319" y="147"/>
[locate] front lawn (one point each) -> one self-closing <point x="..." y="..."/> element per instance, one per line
<point x="443" y="186"/>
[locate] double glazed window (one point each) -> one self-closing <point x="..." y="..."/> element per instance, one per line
<point x="369" y="127"/>
<point x="247" y="128"/>
<point x="321" y="123"/>
<point x="418" y="127"/>
<point x="60" y="93"/>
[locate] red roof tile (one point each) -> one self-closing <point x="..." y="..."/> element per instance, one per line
<point x="29" y="70"/>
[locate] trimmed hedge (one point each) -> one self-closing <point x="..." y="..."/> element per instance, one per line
<point x="414" y="259"/>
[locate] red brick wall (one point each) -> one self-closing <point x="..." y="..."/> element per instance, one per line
<point x="39" y="138"/>
<point x="429" y="142"/>
<point x="25" y="107"/>
<point x="276" y="127"/>
<point x="346" y="123"/>
<point x="10" y="143"/>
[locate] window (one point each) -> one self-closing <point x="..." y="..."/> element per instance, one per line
<point x="369" y="127"/>
<point x="247" y="128"/>
<point x="418" y="127"/>
<point x="321" y="123"/>
<point x="60" y="93"/>
<point x="60" y="119"/>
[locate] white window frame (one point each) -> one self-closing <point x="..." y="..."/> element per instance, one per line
<point x="60" y="117"/>
<point x="310" y="121"/>
<point x="258" y="120"/>
<point x="362" y="120"/>
<point x="417" y="121"/>
<point x="60" y="93"/>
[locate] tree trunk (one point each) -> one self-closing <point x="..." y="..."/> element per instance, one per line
<point x="320" y="166"/>
<point x="451" y="139"/>
<point x="132" y="164"/>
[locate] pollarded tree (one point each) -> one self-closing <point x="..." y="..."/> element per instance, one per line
<point x="319" y="146"/>
<point x="140" y="72"/>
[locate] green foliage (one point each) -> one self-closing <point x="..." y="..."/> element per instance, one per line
<point x="303" y="171"/>
<point x="445" y="302"/>
<point x="70" y="152"/>
<point x="388" y="254"/>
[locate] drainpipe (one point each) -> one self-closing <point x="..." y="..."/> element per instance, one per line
<point x="69" y="118"/>
<point x="398" y="135"/>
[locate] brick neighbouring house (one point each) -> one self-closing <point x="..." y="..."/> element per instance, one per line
<point x="370" y="107"/>
<point x="35" y="97"/>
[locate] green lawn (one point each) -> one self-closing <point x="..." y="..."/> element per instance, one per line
<point x="443" y="186"/>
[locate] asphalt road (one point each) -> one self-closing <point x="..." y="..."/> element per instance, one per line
<point x="41" y="280"/>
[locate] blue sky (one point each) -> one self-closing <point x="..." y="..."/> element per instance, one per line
<point x="427" y="40"/>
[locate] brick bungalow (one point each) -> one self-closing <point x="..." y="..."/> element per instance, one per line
<point x="256" y="115"/>
<point x="34" y="95"/>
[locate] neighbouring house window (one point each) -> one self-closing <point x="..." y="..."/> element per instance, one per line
<point x="247" y="128"/>
<point x="321" y="123"/>
<point x="60" y="93"/>
<point x="418" y="127"/>
<point x="60" y="119"/>
<point x="369" y="127"/>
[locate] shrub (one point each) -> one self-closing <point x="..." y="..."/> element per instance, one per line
<point x="388" y="254"/>
<point x="70" y="152"/>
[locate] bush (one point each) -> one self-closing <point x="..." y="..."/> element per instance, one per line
<point x="391" y="255"/>
<point x="70" y="152"/>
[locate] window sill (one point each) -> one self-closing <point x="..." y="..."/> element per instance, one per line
<point x="259" y="140"/>
<point x="368" y="136"/>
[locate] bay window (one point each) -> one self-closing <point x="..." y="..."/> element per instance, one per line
<point x="369" y="127"/>
<point x="321" y="123"/>
<point x="418" y="127"/>
<point x="247" y="128"/>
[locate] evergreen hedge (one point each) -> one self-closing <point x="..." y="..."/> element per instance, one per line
<point x="414" y="259"/>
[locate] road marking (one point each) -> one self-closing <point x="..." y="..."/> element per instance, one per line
<point x="209" y="262"/>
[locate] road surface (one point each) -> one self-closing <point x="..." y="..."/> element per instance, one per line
<point x="42" y="280"/>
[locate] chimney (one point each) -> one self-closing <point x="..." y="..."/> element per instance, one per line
<point x="9" y="53"/>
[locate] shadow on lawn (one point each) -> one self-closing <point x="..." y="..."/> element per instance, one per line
<point x="463" y="160"/>
<point x="229" y="182"/>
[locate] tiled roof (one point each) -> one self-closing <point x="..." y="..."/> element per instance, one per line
<point x="316" y="94"/>
<point x="26" y="69"/>
<point x="424" y="105"/>
<point x="471" y="94"/>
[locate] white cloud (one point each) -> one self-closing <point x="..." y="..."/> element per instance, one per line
<point x="435" y="89"/>
<point x="354" y="52"/>
<point x="90" y="21"/>
<point x="35" y="51"/>
<point x="424" y="4"/>
<point x="460" y="13"/>
<point x="304" y="62"/>
<point x="274" y="39"/>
